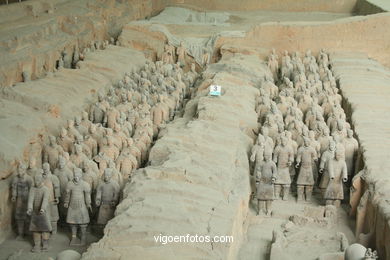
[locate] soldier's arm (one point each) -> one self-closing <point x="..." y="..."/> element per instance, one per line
<point x="98" y="196"/>
<point x="345" y="172"/>
<point x="67" y="194"/>
<point x="299" y="156"/>
<point x="253" y="153"/>
<point x="323" y="160"/>
<point x="275" y="157"/>
<point x="274" y="172"/>
<point x="314" y="154"/>
<point x="14" y="188"/>
<point x="87" y="194"/>
<point x="331" y="170"/>
<point x="56" y="186"/>
<point x="30" y="201"/>
<point x="45" y="155"/>
<point x="116" y="192"/>
<point x="45" y="201"/>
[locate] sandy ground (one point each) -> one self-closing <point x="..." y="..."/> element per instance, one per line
<point x="21" y="250"/>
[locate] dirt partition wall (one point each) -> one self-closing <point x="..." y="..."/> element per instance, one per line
<point x="366" y="34"/>
<point x="335" y="6"/>
<point x="197" y="181"/>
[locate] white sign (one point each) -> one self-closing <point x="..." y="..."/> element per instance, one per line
<point x="215" y="90"/>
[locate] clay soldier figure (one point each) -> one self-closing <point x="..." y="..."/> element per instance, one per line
<point x="181" y="54"/>
<point x="338" y="174"/>
<point x="305" y="157"/>
<point x="351" y="146"/>
<point x="79" y="126"/>
<point x="98" y="110"/>
<point x="64" y="175"/>
<point x="53" y="184"/>
<point x="38" y="209"/>
<point x="325" y="158"/>
<point x="283" y="157"/>
<point x="107" y="195"/>
<point x="78" y="201"/>
<point x="65" y="141"/>
<point x="32" y="169"/>
<point x="205" y="57"/>
<point x="21" y="184"/>
<point x="126" y="163"/>
<point x="51" y="152"/>
<point x="257" y="152"/>
<point x="266" y="174"/>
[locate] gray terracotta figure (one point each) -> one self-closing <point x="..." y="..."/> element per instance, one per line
<point x="53" y="184"/>
<point x="78" y="202"/>
<point x="38" y="209"/>
<point x="283" y="157"/>
<point x="20" y="187"/>
<point x="337" y="169"/>
<point x="98" y="110"/>
<point x="181" y="53"/>
<point x="107" y="194"/>
<point x="325" y="158"/>
<point x="266" y="174"/>
<point x="351" y="146"/>
<point x="51" y="152"/>
<point x="64" y="175"/>
<point x="65" y="141"/>
<point x="305" y="157"/>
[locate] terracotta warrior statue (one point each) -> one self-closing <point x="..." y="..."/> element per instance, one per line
<point x="78" y="202"/>
<point x="266" y="174"/>
<point x="283" y="157"/>
<point x="51" y="152"/>
<point x="181" y="54"/>
<point x="337" y="169"/>
<point x="325" y="158"/>
<point x="305" y="157"/>
<point x="21" y="184"/>
<point x="107" y="195"/>
<point x="38" y="209"/>
<point x="53" y="184"/>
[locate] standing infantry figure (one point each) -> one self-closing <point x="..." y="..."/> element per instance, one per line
<point x="181" y="54"/>
<point x="337" y="169"/>
<point x="266" y="174"/>
<point x="78" y="201"/>
<point x="53" y="184"/>
<point x="21" y="185"/>
<point x="325" y="158"/>
<point x="107" y="195"/>
<point x="38" y="209"/>
<point x="283" y="157"/>
<point x="305" y="157"/>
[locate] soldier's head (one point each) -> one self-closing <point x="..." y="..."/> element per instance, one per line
<point x="306" y="142"/>
<point x="38" y="180"/>
<point x="283" y="140"/>
<point x="339" y="154"/>
<point x="77" y="120"/>
<point x="78" y="148"/>
<point x="350" y="133"/>
<point x="107" y="174"/>
<point x="77" y="175"/>
<point x="332" y="145"/>
<point x="32" y="163"/>
<point x="52" y="140"/>
<point x="86" y="165"/>
<point x="46" y="169"/>
<point x="61" y="162"/>
<point x="340" y="124"/>
<point x="70" y="123"/>
<point x="21" y="169"/>
<point x="92" y="129"/>
<point x="193" y="67"/>
<point x="100" y="97"/>
<point x="63" y="132"/>
<point x="85" y="115"/>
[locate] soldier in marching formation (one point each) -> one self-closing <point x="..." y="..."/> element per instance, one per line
<point x="302" y="121"/>
<point x="85" y="168"/>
